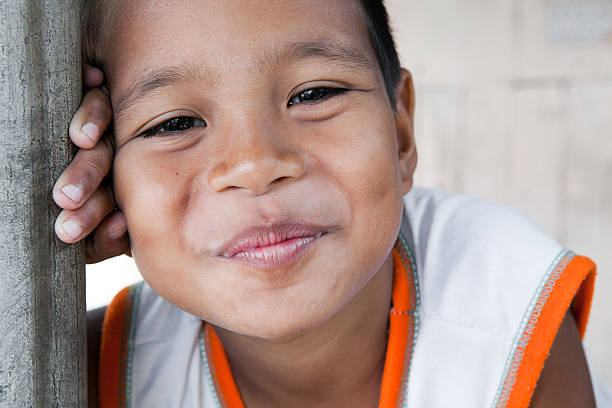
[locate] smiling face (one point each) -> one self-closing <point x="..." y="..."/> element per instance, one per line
<point x="259" y="163"/>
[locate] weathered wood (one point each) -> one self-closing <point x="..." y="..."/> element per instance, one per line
<point x="42" y="288"/>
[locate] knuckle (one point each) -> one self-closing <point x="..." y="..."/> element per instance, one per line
<point x="99" y="112"/>
<point x="100" y="95"/>
<point x="85" y="218"/>
<point x="91" y="175"/>
<point x="100" y="247"/>
<point x="96" y="100"/>
<point x="92" y="214"/>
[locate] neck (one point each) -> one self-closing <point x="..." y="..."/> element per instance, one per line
<point x="339" y="363"/>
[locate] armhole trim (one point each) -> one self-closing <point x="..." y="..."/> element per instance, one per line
<point x="571" y="278"/>
<point x="117" y="348"/>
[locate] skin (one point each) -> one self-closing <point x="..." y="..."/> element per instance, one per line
<point x="87" y="202"/>
<point x="314" y="333"/>
<point x="565" y="380"/>
<point x="259" y="160"/>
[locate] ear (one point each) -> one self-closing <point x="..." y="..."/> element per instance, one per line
<point x="404" y="124"/>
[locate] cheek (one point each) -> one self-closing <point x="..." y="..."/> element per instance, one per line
<point x="378" y="196"/>
<point x="151" y="192"/>
<point x="364" y="162"/>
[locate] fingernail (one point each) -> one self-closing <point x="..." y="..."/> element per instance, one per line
<point x="91" y="130"/>
<point x="73" y="192"/>
<point x="72" y="229"/>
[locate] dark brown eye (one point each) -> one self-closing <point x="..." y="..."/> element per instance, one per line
<point x="178" y="124"/>
<point x="315" y="95"/>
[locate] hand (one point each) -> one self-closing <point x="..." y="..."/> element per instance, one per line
<point x="87" y="199"/>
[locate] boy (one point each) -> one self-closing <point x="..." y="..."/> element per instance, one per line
<point x="262" y="150"/>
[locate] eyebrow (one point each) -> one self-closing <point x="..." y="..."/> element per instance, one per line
<point x="328" y="50"/>
<point x="149" y="81"/>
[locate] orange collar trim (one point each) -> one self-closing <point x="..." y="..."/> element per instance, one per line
<point x="403" y="329"/>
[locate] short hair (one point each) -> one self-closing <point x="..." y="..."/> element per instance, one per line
<point x="381" y="37"/>
<point x="97" y="17"/>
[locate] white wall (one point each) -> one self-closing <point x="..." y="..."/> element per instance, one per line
<point x="514" y="104"/>
<point x="105" y="279"/>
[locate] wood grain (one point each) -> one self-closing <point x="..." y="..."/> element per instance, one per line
<point x="42" y="285"/>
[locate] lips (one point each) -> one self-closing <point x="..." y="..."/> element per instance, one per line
<point x="271" y="246"/>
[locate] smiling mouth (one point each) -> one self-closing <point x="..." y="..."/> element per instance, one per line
<point x="273" y="246"/>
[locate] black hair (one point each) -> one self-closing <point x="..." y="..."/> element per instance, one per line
<point x="381" y="38"/>
<point x="97" y="15"/>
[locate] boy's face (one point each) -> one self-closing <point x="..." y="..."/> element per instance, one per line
<point x="293" y="143"/>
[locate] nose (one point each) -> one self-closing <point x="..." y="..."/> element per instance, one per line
<point x="256" y="162"/>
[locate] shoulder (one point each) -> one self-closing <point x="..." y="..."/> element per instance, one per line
<point x="476" y="254"/>
<point x="565" y="380"/>
<point x="461" y="220"/>
<point x="494" y="290"/>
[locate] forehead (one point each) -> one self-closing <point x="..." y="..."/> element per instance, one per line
<point x="228" y="37"/>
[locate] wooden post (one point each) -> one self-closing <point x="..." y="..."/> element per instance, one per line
<point x="42" y="281"/>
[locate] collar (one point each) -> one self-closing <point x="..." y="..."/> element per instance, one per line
<point x="403" y="330"/>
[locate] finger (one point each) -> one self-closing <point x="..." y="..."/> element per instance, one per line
<point x="84" y="175"/>
<point x="73" y="225"/>
<point x="110" y="239"/>
<point x="91" y="119"/>
<point x="92" y="77"/>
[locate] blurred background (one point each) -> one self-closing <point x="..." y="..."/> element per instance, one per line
<point x="514" y="104"/>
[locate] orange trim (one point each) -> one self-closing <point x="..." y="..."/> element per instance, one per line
<point x="399" y="324"/>
<point x="567" y="282"/>
<point x="401" y="286"/>
<point x="581" y="306"/>
<point x="222" y="373"/>
<point x="111" y="389"/>
<point x="400" y="334"/>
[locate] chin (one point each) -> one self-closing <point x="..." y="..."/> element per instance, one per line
<point x="272" y="332"/>
<point x="274" y="324"/>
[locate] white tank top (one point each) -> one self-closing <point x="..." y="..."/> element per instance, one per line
<point x="488" y="291"/>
